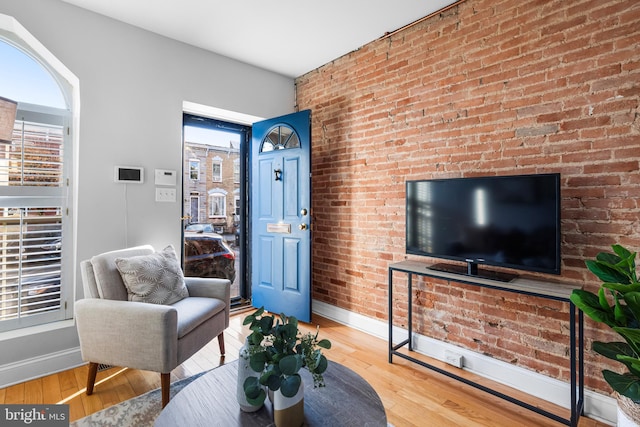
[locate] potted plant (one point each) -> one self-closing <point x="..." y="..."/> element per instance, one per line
<point x="617" y="305"/>
<point x="277" y="351"/>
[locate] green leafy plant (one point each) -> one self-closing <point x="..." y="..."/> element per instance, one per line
<point x="277" y="351"/>
<point x="617" y="305"/>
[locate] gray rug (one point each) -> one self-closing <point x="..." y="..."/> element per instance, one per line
<point x="140" y="411"/>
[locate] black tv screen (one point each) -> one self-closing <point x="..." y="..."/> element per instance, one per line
<point x="505" y="221"/>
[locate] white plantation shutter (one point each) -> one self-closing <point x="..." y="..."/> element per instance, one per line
<point x="33" y="219"/>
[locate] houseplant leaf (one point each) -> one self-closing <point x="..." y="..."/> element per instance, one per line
<point x="321" y="364"/>
<point x="266" y="323"/>
<point x="253" y="391"/>
<point x="623" y="288"/>
<point x="632" y="336"/>
<point x="619" y="312"/>
<point x="291" y="364"/>
<point x="290" y="385"/>
<point x="622" y="252"/>
<point x="626" y="384"/>
<point x="257" y="361"/>
<point x="633" y="303"/>
<point x="606" y="272"/>
<point x="633" y="363"/>
<point x="271" y="380"/>
<point x="325" y="343"/>
<point x="611" y="350"/>
<point x="589" y="303"/>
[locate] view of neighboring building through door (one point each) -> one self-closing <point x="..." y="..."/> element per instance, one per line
<point x="214" y="184"/>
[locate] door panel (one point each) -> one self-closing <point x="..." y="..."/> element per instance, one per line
<point x="281" y="201"/>
<point x="266" y="262"/>
<point x="291" y="258"/>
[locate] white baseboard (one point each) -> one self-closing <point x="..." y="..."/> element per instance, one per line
<point x="28" y="369"/>
<point x="597" y="406"/>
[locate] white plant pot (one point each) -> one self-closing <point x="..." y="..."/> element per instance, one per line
<point x="288" y="411"/>
<point x="244" y="371"/>
<point x="624" y="420"/>
<point x="628" y="412"/>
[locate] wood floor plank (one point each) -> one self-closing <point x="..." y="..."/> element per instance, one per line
<point x="68" y="380"/>
<point x="51" y="389"/>
<point x="413" y="396"/>
<point x="14" y="394"/>
<point x="33" y="391"/>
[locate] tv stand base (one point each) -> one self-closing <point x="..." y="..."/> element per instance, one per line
<point x="546" y="290"/>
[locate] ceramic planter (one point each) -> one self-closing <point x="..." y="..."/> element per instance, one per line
<point x="288" y="411"/>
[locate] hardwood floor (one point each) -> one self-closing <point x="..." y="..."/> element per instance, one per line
<point x="412" y="395"/>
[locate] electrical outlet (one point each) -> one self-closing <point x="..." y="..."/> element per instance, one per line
<point x="165" y="194"/>
<point x="453" y="359"/>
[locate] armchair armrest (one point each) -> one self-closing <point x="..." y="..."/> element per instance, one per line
<point x="124" y="333"/>
<point x="211" y="288"/>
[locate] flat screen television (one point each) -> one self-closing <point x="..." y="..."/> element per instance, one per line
<point x="504" y="221"/>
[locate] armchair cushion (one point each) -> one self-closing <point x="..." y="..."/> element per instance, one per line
<point x="154" y="278"/>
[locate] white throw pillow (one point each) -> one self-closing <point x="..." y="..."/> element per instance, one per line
<point x="156" y="278"/>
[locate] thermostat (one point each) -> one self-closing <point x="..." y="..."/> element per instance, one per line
<point x="125" y="174"/>
<point x="165" y="177"/>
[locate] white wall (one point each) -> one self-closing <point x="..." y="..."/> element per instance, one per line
<point x="132" y="87"/>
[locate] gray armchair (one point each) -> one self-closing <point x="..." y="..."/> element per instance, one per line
<point x="141" y="335"/>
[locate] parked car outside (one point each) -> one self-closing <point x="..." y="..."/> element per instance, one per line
<point x="198" y="227"/>
<point x="35" y="269"/>
<point x="208" y="255"/>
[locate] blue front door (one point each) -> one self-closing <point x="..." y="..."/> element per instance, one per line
<point x="280" y="182"/>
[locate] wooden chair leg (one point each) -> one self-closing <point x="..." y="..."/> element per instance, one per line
<point x="221" y="343"/>
<point x="165" y="384"/>
<point x="91" y="378"/>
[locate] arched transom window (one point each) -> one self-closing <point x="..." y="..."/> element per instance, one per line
<point x="280" y="137"/>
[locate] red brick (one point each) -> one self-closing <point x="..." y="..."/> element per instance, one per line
<point x="486" y="89"/>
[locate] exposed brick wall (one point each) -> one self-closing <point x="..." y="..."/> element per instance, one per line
<point x="489" y="87"/>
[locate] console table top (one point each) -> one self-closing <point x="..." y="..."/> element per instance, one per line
<point x="545" y="289"/>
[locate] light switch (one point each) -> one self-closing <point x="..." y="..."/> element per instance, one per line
<point x="165" y="194"/>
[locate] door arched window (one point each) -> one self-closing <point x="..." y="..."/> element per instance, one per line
<point x="280" y="137"/>
<point x="36" y="189"/>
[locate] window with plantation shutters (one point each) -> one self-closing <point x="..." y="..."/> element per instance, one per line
<point x="36" y="284"/>
<point x="32" y="220"/>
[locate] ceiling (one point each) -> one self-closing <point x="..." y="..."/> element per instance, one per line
<point x="289" y="37"/>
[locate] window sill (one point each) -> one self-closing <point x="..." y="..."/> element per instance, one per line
<point x="37" y="329"/>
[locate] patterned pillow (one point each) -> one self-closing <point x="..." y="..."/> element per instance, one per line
<point x="156" y="278"/>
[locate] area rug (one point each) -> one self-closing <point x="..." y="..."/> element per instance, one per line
<point x="140" y="411"/>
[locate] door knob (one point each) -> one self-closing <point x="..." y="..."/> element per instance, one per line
<point x="303" y="212"/>
<point x="303" y="226"/>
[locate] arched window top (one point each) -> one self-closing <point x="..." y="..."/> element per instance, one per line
<point x="280" y="137"/>
<point x="220" y="191"/>
<point x="25" y="80"/>
<point x="62" y="83"/>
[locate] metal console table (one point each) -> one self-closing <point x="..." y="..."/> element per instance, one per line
<point x="521" y="286"/>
